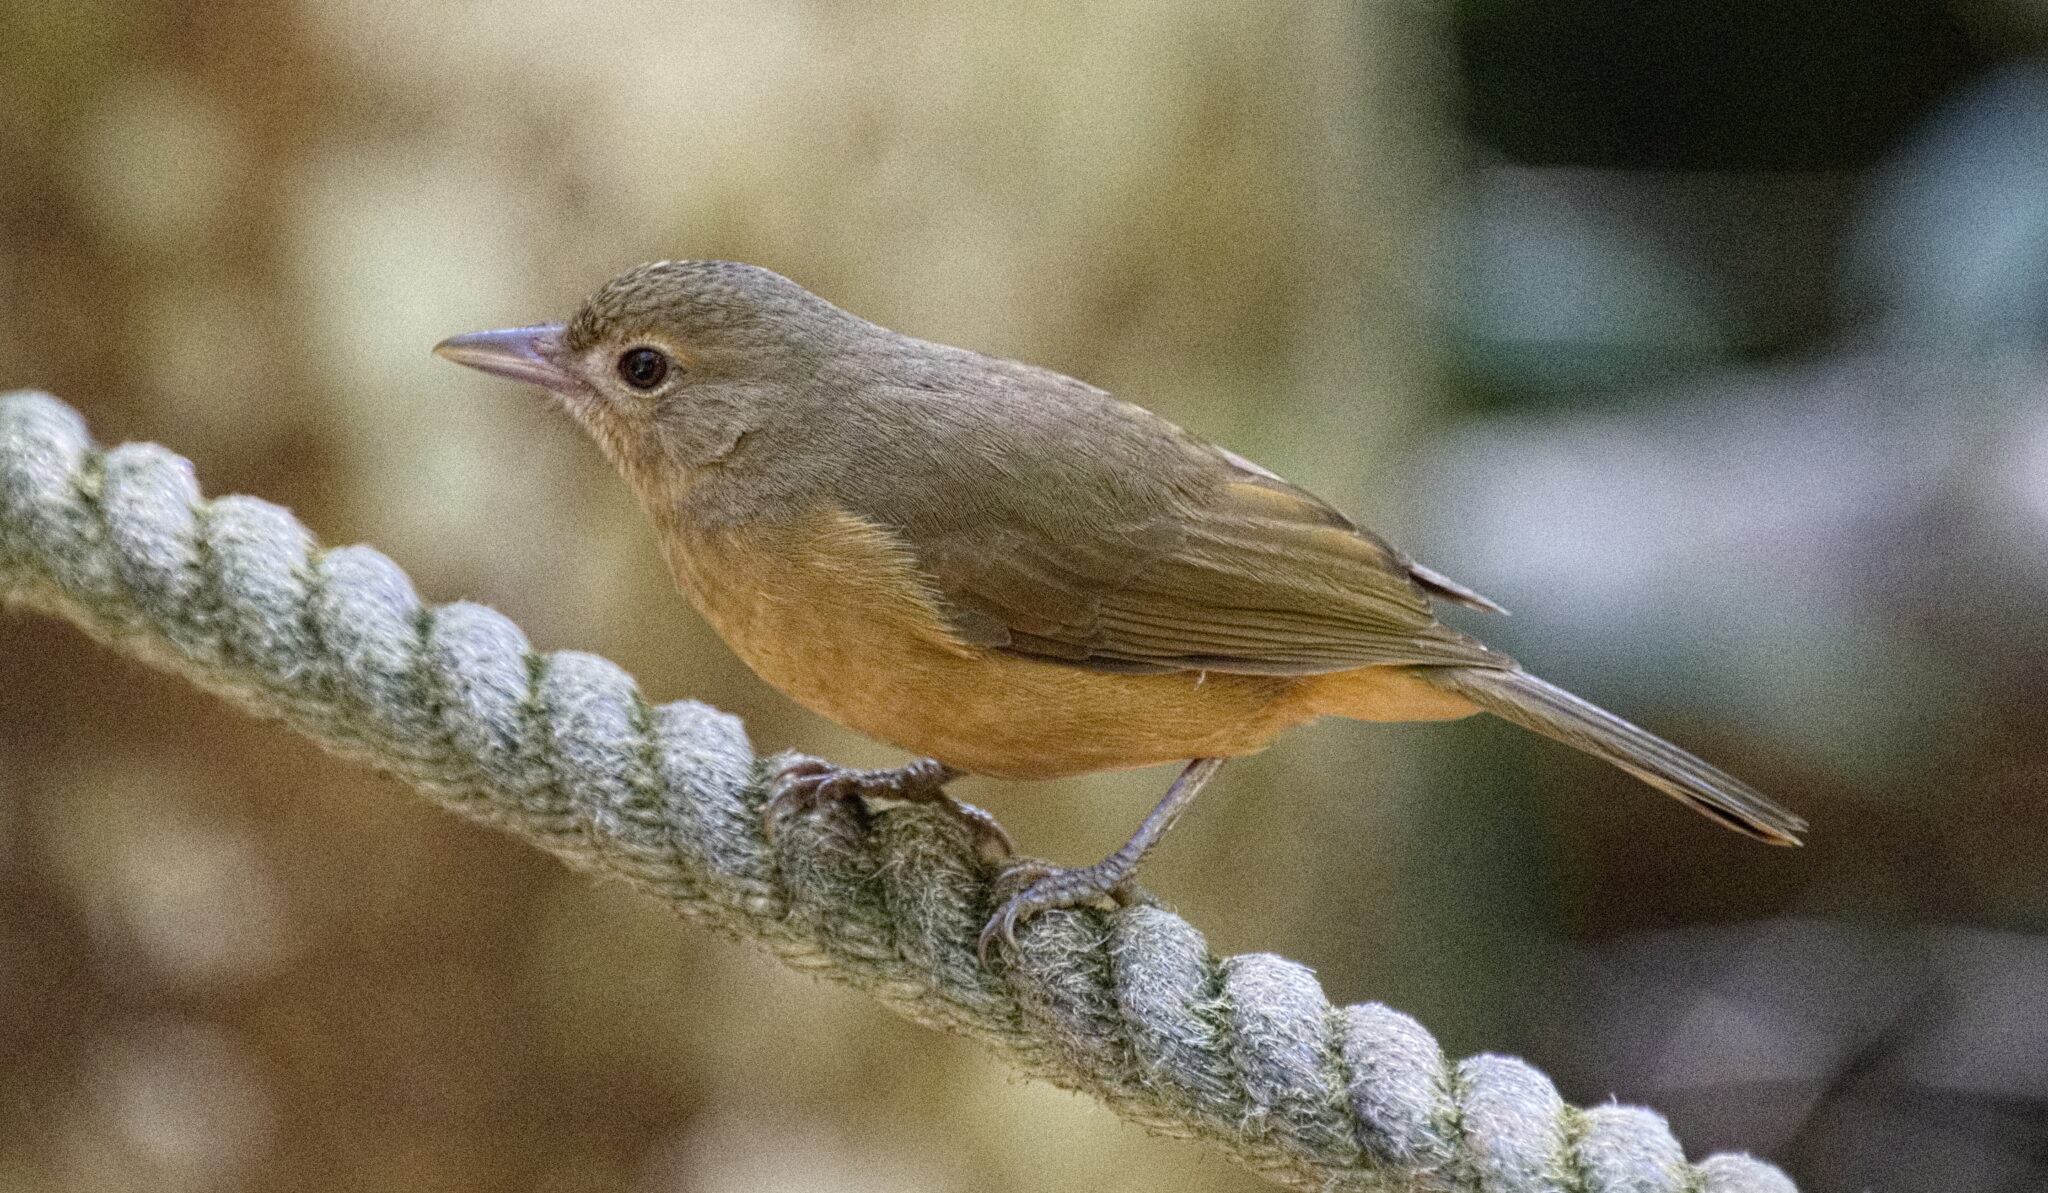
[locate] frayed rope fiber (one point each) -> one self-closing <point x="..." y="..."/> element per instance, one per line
<point x="562" y="749"/>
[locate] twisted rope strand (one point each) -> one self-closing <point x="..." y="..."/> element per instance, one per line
<point x="563" y="750"/>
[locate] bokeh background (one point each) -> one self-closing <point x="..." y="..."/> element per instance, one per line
<point x="1710" y="338"/>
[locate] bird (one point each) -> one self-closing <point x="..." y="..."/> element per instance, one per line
<point x="1008" y="572"/>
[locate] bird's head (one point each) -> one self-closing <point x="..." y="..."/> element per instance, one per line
<point x="670" y="364"/>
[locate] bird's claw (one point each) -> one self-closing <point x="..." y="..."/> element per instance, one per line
<point x="1048" y="888"/>
<point x="807" y="784"/>
<point x="991" y="839"/>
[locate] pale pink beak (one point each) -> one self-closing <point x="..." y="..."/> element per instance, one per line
<point x="521" y="353"/>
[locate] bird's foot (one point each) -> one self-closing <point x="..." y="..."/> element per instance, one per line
<point x="1048" y="888"/>
<point x="810" y="783"/>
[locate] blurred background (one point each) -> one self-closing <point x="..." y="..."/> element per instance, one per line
<point x="1710" y="338"/>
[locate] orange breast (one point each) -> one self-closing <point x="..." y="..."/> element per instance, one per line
<point x="831" y="610"/>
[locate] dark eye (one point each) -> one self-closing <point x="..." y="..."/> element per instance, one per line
<point x="643" y="368"/>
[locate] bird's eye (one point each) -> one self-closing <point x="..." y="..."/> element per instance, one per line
<point x="643" y="368"/>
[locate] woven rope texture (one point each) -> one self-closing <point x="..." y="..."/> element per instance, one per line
<point x="563" y="750"/>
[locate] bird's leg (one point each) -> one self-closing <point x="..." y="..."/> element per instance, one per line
<point x="1111" y="876"/>
<point x="808" y="783"/>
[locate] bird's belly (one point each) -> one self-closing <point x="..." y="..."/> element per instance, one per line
<point x="993" y="714"/>
<point x="840" y="623"/>
<point x="1023" y="720"/>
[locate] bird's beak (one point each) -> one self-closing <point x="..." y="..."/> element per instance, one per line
<point x="521" y="353"/>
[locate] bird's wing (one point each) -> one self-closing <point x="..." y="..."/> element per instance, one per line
<point x="1167" y="554"/>
<point x="1433" y="582"/>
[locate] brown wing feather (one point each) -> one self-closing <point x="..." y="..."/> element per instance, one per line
<point x="1253" y="577"/>
<point x="1270" y="580"/>
<point x="1155" y="551"/>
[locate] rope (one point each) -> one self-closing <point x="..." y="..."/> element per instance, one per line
<point x="563" y="750"/>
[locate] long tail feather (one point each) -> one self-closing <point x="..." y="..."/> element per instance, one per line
<point x="1555" y="713"/>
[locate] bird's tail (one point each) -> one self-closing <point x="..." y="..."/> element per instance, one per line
<point x="1518" y="696"/>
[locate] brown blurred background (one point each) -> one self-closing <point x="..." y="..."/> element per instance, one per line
<point x="1709" y="338"/>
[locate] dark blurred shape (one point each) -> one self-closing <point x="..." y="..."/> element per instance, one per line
<point x="1952" y="251"/>
<point x="1759" y="445"/>
<point x="1761" y="546"/>
<point x="1875" y="1056"/>
<point x="1734" y="85"/>
<point x="1568" y="286"/>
